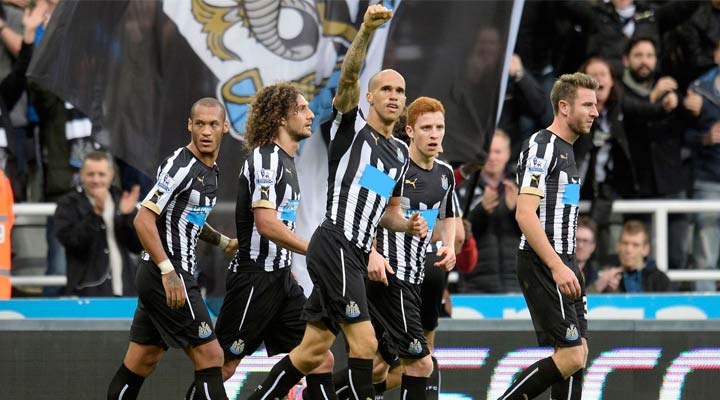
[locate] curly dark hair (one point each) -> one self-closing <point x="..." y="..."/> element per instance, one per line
<point x="269" y="106"/>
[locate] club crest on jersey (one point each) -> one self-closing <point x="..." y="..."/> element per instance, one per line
<point x="415" y="347"/>
<point x="204" y="330"/>
<point x="165" y="183"/>
<point x="444" y="182"/>
<point x="352" y="310"/>
<point x="572" y="333"/>
<point x="237" y="347"/>
<point x="536" y="166"/>
<point x="400" y="155"/>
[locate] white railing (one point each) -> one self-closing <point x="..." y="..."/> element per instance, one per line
<point x="658" y="208"/>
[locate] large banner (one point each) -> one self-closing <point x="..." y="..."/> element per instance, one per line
<point x="135" y="67"/>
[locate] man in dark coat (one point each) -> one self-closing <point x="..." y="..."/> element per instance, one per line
<point x="95" y="224"/>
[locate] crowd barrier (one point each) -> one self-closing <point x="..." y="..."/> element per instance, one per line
<point x="658" y="208"/>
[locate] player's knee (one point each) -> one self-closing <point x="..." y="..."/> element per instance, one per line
<point x="422" y="367"/>
<point x="363" y="346"/>
<point x="148" y="362"/>
<point x="316" y="356"/>
<point x="208" y="355"/>
<point x="380" y="371"/>
<point x="228" y="369"/>
<point x="577" y="358"/>
<point x="327" y="364"/>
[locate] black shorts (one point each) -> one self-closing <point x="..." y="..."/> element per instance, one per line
<point x="338" y="270"/>
<point x="260" y="307"/>
<point x="155" y="323"/>
<point x="559" y="321"/>
<point x="431" y="292"/>
<point x="395" y="312"/>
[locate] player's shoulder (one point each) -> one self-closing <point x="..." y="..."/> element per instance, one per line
<point x="443" y="166"/>
<point x="542" y="139"/>
<point x="401" y="144"/>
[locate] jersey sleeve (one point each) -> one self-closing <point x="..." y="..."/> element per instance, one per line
<point x="267" y="173"/>
<point x="343" y="123"/>
<point x="534" y="168"/>
<point x="171" y="180"/>
<point x="400" y="184"/>
<point x="448" y="206"/>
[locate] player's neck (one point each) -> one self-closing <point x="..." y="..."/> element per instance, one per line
<point x="379" y="125"/>
<point x="285" y="142"/>
<point x="562" y="130"/>
<point x="207" y="159"/>
<point x="420" y="160"/>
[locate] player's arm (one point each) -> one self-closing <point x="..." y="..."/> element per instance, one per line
<point x="446" y="231"/>
<point x="211" y="235"/>
<point x="269" y="226"/>
<point x="146" y="228"/>
<point x="347" y="96"/>
<point x="529" y="222"/>
<point x="394" y="220"/>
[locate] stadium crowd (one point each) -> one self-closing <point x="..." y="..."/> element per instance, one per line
<point x="657" y="137"/>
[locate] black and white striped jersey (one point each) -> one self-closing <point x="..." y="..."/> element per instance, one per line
<point x="268" y="180"/>
<point x="365" y="170"/>
<point x="547" y="168"/>
<point x="429" y="192"/>
<point x="183" y="196"/>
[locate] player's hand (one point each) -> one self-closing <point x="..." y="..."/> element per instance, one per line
<point x="231" y="247"/>
<point x="378" y="268"/>
<point x="375" y="16"/>
<point x="567" y="282"/>
<point x="174" y="290"/>
<point x="416" y="225"/>
<point x="447" y="263"/>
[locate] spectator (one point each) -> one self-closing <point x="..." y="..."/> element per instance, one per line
<point x="524" y="98"/>
<point x="703" y="135"/>
<point x="584" y="249"/>
<point x="635" y="274"/>
<point x="492" y="218"/>
<point x="613" y="24"/>
<point x="655" y="135"/>
<point x="95" y="224"/>
<point x="12" y="88"/>
<point x="689" y="47"/>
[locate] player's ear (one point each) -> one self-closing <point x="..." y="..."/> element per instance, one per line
<point x="409" y="131"/>
<point x="190" y="125"/>
<point x="226" y="127"/>
<point x="369" y="97"/>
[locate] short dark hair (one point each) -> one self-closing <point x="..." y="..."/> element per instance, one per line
<point x="565" y="88"/>
<point x="639" y="39"/>
<point x="633" y="227"/>
<point x="209" y="102"/>
<point x="586" y="222"/>
<point x="99" y="155"/>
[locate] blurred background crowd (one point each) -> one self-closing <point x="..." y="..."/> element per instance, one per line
<point x="657" y="137"/>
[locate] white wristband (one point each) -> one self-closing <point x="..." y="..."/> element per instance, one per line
<point x="165" y="267"/>
<point x="224" y="241"/>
